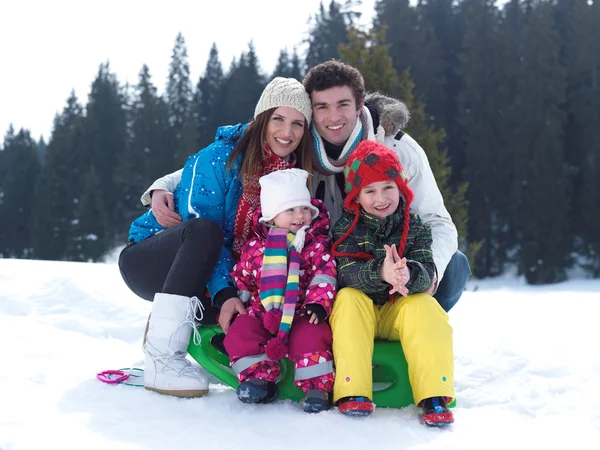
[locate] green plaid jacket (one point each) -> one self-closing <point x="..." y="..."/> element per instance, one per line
<point x="369" y="236"/>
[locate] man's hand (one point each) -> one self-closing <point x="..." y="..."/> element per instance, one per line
<point x="163" y="208"/>
<point x="229" y="309"/>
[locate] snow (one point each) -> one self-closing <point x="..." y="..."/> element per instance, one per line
<point x="527" y="374"/>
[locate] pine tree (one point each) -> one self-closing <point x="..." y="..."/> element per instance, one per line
<point x="578" y="28"/>
<point x="207" y="100"/>
<point x="146" y="153"/>
<point x="368" y="53"/>
<point x="149" y="145"/>
<point x="509" y="54"/>
<point x="581" y="55"/>
<point x="542" y="198"/>
<point x="179" y="100"/>
<point x="296" y="67"/>
<point x="90" y="239"/>
<point x="10" y="134"/>
<point x="20" y="168"/>
<point x="106" y="138"/>
<point x="59" y="187"/>
<point x="329" y="30"/>
<point x="414" y="46"/>
<point x="440" y="83"/>
<point x="242" y="88"/>
<point x="288" y="66"/>
<point x="486" y="167"/>
<point x="283" y="66"/>
<point x="41" y="151"/>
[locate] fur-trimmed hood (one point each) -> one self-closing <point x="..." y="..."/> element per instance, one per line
<point x="393" y="113"/>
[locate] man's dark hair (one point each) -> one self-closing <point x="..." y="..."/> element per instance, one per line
<point x="335" y="73"/>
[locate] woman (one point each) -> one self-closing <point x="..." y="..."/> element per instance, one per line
<point x="216" y="198"/>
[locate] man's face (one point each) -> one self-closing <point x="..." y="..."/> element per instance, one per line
<point x="335" y="113"/>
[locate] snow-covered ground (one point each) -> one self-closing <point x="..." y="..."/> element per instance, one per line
<point x="527" y="374"/>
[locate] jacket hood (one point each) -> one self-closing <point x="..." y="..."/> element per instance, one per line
<point x="230" y="132"/>
<point x="393" y="113"/>
<point x="318" y="229"/>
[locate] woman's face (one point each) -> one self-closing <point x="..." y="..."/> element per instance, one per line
<point x="285" y="130"/>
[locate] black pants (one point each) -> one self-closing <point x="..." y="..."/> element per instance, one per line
<point x="179" y="260"/>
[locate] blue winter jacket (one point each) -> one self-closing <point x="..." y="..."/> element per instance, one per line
<point x="209" y="190"/>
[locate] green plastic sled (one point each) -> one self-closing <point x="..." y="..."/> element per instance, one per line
<point x="391" y="388"/>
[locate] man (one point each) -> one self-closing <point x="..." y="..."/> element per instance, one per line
<point x="343" y="117"/>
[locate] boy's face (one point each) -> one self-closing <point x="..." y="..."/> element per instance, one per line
<point x="294" y="218"/>
<point x="380" y="199"/>
<point x="335" y="113"/>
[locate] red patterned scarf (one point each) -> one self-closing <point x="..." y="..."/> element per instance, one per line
<point x="250" y="199"/>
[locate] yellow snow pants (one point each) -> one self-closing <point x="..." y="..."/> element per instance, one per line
<point x="417" y="321"/>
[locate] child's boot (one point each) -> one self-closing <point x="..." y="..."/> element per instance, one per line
<point x="256" y="390"/>
<point x="436" y="413"/>
<point x="169" y="329"/>
<point x="355" y="406"/>
<point x="316" y="401"/>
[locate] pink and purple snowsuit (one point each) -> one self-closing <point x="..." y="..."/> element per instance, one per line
<point x="309" y="344"/>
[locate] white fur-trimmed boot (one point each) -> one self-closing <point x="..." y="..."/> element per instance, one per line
<point x="166" y="370"/>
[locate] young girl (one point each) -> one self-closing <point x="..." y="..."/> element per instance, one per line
<point x="287" y="279"/>
<point x="385" y="265"/>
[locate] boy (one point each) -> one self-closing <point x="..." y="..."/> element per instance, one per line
<point x="372" y="273"/>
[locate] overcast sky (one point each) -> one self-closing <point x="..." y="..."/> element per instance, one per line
<point x="48" y="47"/>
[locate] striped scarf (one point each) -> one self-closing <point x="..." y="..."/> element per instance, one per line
<point x="327" y="166"/>
<point x="250" y="199"/>
<point x="278" y="283"/>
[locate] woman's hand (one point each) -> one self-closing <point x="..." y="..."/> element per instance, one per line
<point x="163" y="208"/>
<point x="229" y="309"/>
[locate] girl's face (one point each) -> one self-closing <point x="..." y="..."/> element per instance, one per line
<point x="294" y="218"/>
<point x="380" y="199"/>
<point x="284" y="130"/>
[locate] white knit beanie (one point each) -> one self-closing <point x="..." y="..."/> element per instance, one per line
<point x="284" y="189"/>
<point x="285" y="92"/>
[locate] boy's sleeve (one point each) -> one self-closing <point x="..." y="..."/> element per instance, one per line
<point x="322" y="288"/>
<point x="419" y="257"/>
<point x="354" y="272"/>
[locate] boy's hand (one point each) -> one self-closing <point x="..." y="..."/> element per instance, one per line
<point x="394" y="271"/>
<point x="316" y="312"/>
<point x="388" y="272"/>
<point x="403" y="275"/>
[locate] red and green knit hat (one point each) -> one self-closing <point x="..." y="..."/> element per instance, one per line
<point x="369" y="163"/>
